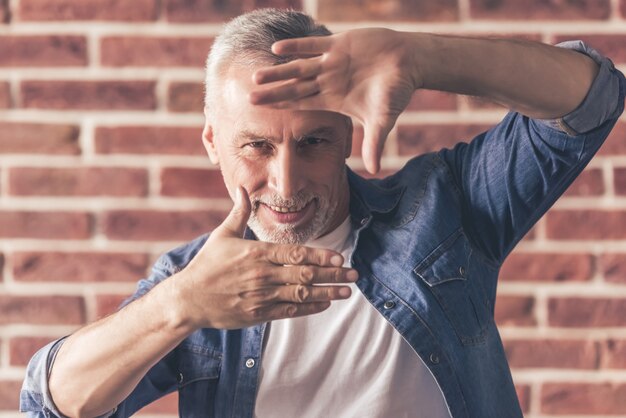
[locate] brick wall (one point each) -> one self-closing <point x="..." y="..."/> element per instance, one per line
<point x="102" y="169"/>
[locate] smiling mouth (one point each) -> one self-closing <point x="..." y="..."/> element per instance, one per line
<point x="289" y="214"/>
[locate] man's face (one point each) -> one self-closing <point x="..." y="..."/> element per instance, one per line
<point x="291" y="163"/>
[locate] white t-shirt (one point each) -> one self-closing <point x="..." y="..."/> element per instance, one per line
<point x="346" y="361"/>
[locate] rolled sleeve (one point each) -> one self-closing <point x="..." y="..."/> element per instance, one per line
<point x="601" y="102"/>
<point x="35" y="398"/>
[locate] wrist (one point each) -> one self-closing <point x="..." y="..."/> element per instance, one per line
<point x="170" y="296"/>
<point x="417" y="46"/>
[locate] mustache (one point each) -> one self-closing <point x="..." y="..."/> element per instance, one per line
<point x="299" y="200"/>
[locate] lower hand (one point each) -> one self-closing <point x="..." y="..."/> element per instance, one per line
<point x="234" y="283"/>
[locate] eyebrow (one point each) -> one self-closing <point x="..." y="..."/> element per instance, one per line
<point x="325" y="131"/>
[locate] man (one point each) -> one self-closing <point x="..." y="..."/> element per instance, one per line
<point x="358" y="298"/>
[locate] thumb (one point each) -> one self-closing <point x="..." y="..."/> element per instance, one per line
<point x="235" y="223"/>
<point x="374" y="138"/>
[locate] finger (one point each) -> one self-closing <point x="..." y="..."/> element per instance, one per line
<point x="307" y="294"/>
<point x="374" y="138"/>
<point x="235" y="223"/>
<point x="299" y="46"/>
<point x="289" y="310"/>
<point x="305" y="68"/>
<point x="287" y="91"/>
<point x="282" y="254"/>
<point x="309" y="275"/>
<point x="313" y="102"/>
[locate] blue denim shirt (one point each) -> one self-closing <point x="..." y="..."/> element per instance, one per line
<point x="429" y="244"/>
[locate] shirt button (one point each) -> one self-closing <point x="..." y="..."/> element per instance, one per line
<point x="250" y="363"/>
<point x="462" y="271"/>
<point x="434" y="358"/>
<point x="180" y="378"/>
<point x="389" y="304"/>
<point x="363" y="221"/>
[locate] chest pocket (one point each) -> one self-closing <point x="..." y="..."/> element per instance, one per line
<point x="448" y="274"/>
<point x="198" y="372"/>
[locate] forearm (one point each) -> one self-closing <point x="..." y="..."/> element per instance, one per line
<point x="98" y="367"/>
<point x="538" y="80"/>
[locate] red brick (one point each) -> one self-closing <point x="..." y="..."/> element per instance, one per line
<point x="615" y="144"/>
<point x="547" y="267"/>
<point x="515" y="310"/>
<point x="78" y="266"/>
<point x="552" y="353"/>
<point x="583" y="398"/>
<point x="388" y="10"/>
<point x="38" y="138"/>
<point x="82" y="181"/>
<point x="219" y="11"/>
<point x="139" y="51"/>
<point x="185" y="97"/>
<point x="160" y="225"/>
<point x="166" y="405"/>
<point x="172" y="140"/>
<point x="62" y="10"/>
<point x="612" y="46"/>
<point x="10" y="394"/>
<point x="21" y="349"/>
<point x="420" y="139"/>
<point x="586" y="224"/>
<point x="588" y="183"/>
<point x="619" y="178"/>
<point x="42" y="310"/>
<point x="89" y="95"/>
<point x="586" y="312"/>
<point x="613" y="267"/>
<point x="613" y="354"/>
<point x="540" y="9"/>
<point x="43" y="51"/>
<point x="523" y="395"/>
<point x="108" y="304"/>
<point x="192" y="182"/>
<point x="432" y="100"/>
<point x="45" y="225"/>
<point x="5" y="95"/>
<point x="5" y="11"/>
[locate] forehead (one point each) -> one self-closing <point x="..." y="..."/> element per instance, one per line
<point x="237" y="115"/>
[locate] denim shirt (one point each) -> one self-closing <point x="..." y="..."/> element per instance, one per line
<point x="429" y="244"/>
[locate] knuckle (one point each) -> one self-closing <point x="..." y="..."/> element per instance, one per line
<point x="297" y="255"/>
<point x="291" y="311"/>
<point x="338" y="275"/>
<point x="306" y="275"/>
<point x="301" y="293"/>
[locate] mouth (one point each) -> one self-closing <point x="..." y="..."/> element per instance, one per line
<point x="289" y="214"/>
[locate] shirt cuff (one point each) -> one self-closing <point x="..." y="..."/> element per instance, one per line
<point x="36" y="383"/>
<point x="601" y="102"/>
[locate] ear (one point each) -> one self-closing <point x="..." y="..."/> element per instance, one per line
<point x="348" y="147"/>
<point x="208" y="140"/>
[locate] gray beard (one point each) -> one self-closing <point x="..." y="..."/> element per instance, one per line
<point x="289" y="234"/>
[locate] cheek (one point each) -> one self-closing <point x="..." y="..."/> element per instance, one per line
<point x="246" y="173"/>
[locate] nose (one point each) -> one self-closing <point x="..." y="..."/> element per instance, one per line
<point x="285" y="174"/>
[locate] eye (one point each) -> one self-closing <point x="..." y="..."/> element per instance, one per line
<point x="310" y="140"/>
<point x="259" y="145"/>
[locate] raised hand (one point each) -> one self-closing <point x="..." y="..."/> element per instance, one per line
<point x="367" y="74"/>
<point x="234" y="283"/>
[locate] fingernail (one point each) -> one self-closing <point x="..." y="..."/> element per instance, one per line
<point x="352" y="275"/>
<point x="336" y="260"/>
<point x="345" y="292"/>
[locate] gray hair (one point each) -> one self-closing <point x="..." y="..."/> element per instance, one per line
<point x="247" y="40"/>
